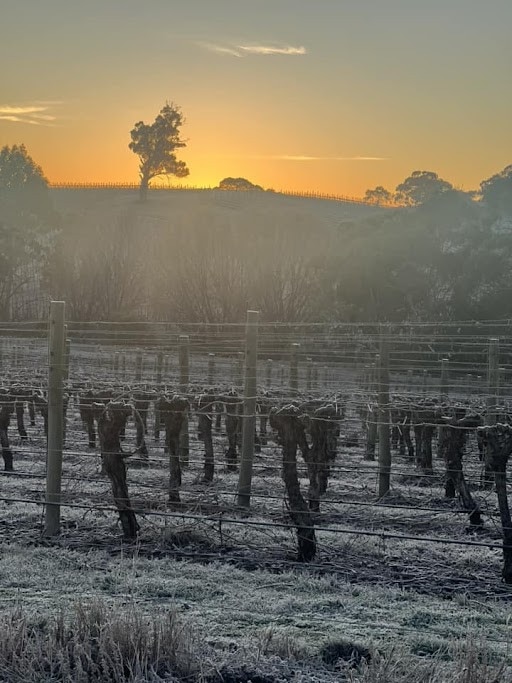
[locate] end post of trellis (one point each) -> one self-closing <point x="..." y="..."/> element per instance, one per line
<point x="309" y="373"/>
<point x="249" y="416"/>
<point x="493" y="380"/>
<point x="56" y="369"/>
<point x="383" y="418"/>
<point x="139" y="362"/>
<point x="184" y="364"/>
<point x="211" y="369"/>
<point x="294" y="368"/>
<point x="67" y="354"/>
<point x="159" y="368"/>
<point x="269" y="373"/>
<point x="445" y="378"/>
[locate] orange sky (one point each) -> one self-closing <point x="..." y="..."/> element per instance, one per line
<point x="332" y="96"/>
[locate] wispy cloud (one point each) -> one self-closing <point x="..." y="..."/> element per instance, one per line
<point x="245" y="50"/>
<point x="272" y="50"/>
<point x="221" y="49"/>
<point x="36" y="114"/>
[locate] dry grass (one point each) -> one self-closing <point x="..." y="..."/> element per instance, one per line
<point x="95" y="643"/>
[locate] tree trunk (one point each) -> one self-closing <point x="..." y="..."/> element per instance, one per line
<point x="110" y="423"/>
<point x="498" y="447"/>
<point x="451" y="447"/>
<point x="291" y="433"/>
<point x="173" y="413"/>
<point x="233" y="404"/>
<point x="143" y="189"/>
<point x="204" y="433"/>
<point x="20" y="409"/>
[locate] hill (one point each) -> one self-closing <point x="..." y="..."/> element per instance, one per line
<point x="172" y="203"/>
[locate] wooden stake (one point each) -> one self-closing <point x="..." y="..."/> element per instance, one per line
<point x="493" y="380"/>
<point x="184" y="362"/>
<point x="249" y="417"/>
<point x="383" y="398"/>
<point x="55" y="417"/>
<point x="211" y="369"/>
<point x="294" y="368"/>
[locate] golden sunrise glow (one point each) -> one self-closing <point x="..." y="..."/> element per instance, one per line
<point x="323" y="104"/>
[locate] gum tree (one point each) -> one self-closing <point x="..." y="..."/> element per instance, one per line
<point x="28" y="225"/>
<point x="156" y="145"/>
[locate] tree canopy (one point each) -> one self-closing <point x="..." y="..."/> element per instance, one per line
<point x="156" y="144"/>
<point x="497" y="191"/>
<point x="238" y="184"/>
<point x="28" y="223"/>
<point x="420" y="187"/>
<point x="379" y="195"/>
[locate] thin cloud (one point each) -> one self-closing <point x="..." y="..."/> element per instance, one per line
<point x="271" y="50"/>
<point x="36" y="114"/>
<point x="245" y="50"/>
<point x="220" y="49"/>
<point x="18" y="119"/>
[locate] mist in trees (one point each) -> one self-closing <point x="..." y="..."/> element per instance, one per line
<point x="443" y="255"/>
<point x="28" y="228"/>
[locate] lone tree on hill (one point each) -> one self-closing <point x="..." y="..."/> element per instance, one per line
<point x="156" y="143"/>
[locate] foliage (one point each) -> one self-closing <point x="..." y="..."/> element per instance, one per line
<point x="497" y="191"/>
<point x="420" y="187"/>
<point x="238" y="184"/>
<point x="156" y="144"/>
<point x="28" y="225"/>
<point x="379" y="195"/>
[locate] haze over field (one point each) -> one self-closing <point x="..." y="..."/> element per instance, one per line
<point x="327" y="95"/>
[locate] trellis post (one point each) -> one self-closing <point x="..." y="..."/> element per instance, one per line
<point x="249" y="416"/>
<point x="383" y="418"/>
<point x="56" y="353"/>
<point x="184" y="365"/>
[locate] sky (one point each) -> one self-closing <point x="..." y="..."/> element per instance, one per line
<point x="332" y="96"/>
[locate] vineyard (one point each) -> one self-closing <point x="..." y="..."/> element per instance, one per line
<point x="376" y="454"/>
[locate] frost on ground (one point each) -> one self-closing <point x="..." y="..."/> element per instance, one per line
<point x="228" y="599"/>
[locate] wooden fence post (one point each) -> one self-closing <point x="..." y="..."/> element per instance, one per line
<point x="184" y="363"/>
<point x="445" y="378"/>
<point x="159" y="368"/>
<point x="493" y="380"/>
<point x="56" y="352"/>
<point x="249" y="417"/>
<point x="211" y="369"/>
<point x="383" y="417"/>
<point x="67" y="356"/>
<point x="294" y="368"/>
<point x="269" y="373"/>
<point x="239" y="373"/>
<point x="138" y="366"/>
<point x="309" y="373"/>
